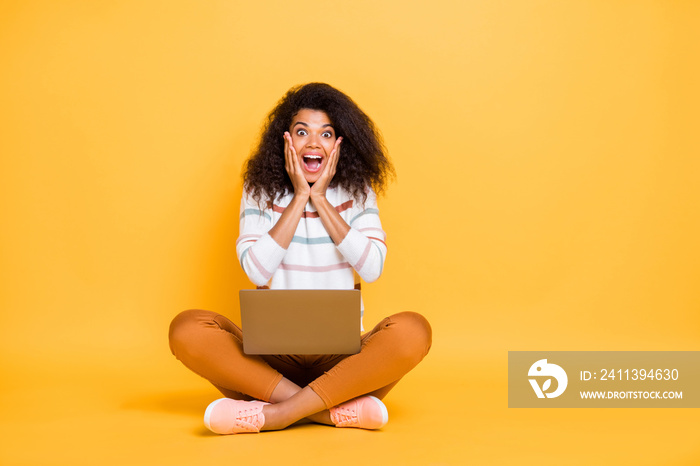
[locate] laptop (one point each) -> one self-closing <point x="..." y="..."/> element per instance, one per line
<point x="300" y="321"/>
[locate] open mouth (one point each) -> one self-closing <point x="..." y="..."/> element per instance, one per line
<point x="312" y="162"/>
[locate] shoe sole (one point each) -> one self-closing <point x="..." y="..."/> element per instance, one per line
<point x="385" y="412"/>
<point x="210" y="409"/>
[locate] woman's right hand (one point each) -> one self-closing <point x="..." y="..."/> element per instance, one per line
<point x="283" y="230"/>
<point x="293" y="167"/>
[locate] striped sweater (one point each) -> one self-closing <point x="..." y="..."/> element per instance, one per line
<point x="312" y="260"/>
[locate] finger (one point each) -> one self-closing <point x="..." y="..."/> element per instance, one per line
<point x="290" y="159"/>
<point x="329" y="169"/>
<point x="291" y="147"/>
<point x="286" y="150"/>
<point x="335" y="155"/>
<point x="292" y="164"/>
<point x="293" y="155"/>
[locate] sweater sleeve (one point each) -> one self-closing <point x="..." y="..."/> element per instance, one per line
<point x="258" y="253"/>
<point x="364" y="247"/>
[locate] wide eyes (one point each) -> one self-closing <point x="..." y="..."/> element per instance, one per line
<point x="325" y="134"/>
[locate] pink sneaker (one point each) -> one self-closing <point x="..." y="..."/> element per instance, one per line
<point x="227" y="416"/>
<point x="365" y="412"/>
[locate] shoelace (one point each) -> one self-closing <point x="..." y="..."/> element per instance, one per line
<point x="344" y="416"/>
<point x="248" y="417"/>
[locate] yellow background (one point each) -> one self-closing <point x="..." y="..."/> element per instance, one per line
<point x="547" y="199"/>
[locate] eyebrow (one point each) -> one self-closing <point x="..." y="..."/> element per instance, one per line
<point x="306" y="124"/>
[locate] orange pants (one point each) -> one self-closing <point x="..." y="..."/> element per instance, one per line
<point x="212" y="346"/>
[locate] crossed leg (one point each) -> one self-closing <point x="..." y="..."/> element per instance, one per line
<point x="211" y="346"/>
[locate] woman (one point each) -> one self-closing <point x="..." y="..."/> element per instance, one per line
<point x="308" y="220"/>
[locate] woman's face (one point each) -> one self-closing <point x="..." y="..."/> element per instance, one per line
<point x="313" y="138"/>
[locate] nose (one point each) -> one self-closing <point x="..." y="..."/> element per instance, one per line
<point x="313" y="141"/>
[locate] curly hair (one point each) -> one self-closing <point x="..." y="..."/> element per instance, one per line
<point x="363" y="162"/>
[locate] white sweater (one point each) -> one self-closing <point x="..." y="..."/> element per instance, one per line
<point x="312" y="260"/>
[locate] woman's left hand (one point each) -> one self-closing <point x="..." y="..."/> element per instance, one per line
<point x="334" y="224"/>
<point x="318" y="190"/>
